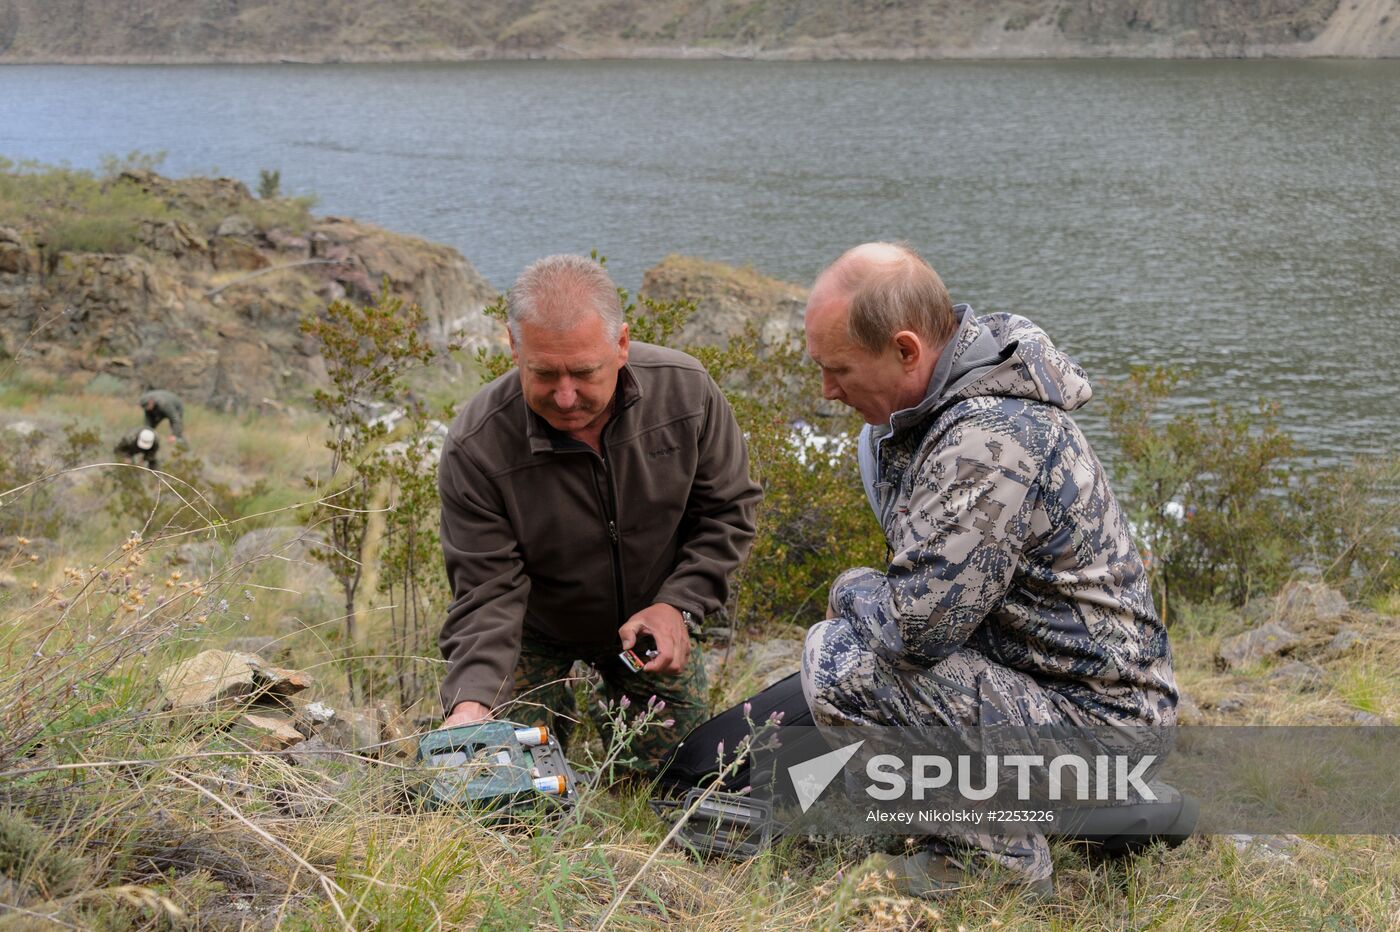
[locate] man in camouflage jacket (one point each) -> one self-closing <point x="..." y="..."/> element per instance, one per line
<point x="1014" y="594"/>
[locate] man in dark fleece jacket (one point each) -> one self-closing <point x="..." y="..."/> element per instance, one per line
<point x="594" y="499"/>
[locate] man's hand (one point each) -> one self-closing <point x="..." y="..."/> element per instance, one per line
<point x="665" y="624"/>
<point x="465" y="713"/>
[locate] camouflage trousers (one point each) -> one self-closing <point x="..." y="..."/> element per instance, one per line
<point x="847" y="684"/>
<point x="544" y="695"/>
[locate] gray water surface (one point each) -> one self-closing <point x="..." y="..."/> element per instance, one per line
<point x="1235" y="218"/>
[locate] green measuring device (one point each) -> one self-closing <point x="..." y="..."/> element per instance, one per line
<point x="495" y="765"/>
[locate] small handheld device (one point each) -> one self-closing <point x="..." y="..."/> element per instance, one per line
<point x="641" y="652"/>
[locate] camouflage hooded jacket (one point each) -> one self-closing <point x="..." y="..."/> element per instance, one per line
<point x="1004" y="535"/>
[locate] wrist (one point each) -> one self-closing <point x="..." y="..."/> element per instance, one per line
<point x="691" y="619"/>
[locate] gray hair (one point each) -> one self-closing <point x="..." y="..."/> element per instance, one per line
<point x="557" y="291"/>
<point x="892" y="288"/>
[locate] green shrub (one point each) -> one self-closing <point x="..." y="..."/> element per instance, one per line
<point x="1354" y="518"/>
<point x="1230" y="471"/>
<point x="1255" y="515"/>
<point x="269" y="184"/>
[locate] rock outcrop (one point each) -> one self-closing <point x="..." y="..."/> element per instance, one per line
<point x="213" y="311"/>
<point x="727" y="299"/>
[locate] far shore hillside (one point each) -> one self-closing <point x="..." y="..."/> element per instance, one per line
<point x="169" y="32"/>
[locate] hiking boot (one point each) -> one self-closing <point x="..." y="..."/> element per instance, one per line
<point x="929" y="875"/>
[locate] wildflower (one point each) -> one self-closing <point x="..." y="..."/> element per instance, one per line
<point x="748" y="709"/>
<point x="719" y="749"/>
<point x="624" y="702"/>
<point x="669" y="723"/>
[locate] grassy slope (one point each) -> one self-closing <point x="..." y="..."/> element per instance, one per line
<point x="304" y="845"/>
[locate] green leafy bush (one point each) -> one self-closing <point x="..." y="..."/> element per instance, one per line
<point x="1254" y="516"/>
<point x="269" y="183"/>
<point x="370" y="352"/>
<point x="1354" y="518"/>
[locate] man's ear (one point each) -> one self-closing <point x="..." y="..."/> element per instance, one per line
<point x="624" y="341"/>
<point x="911" y="349"/>
<point x="510" y="338"/>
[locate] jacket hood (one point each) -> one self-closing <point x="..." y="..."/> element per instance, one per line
<point x="1001" y="355"/>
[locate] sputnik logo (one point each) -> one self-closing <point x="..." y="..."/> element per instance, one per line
<point x="811" y="777"/>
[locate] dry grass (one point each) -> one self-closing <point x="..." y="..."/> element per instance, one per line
<point x="151" y="819"/>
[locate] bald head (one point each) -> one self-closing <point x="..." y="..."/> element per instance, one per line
<point x="887" y="288"/>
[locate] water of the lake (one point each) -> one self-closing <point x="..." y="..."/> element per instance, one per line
<point x="1240" y="219"/>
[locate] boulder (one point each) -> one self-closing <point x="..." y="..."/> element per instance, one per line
<point x="353" y="730"/>
<point x="372" y="732"/>
<point x="1229" y="704"/>
<point x="237" y="255"/>
<point x="14" y="257"/>
<point x="1277" y="848"/>
<point x="1187" y="712"/>
<point x="226" y="679"/>
<point x="1344" y="640"/>
<point x="236" y="225"/>
<point x="1369" y="719"/>
<point x="727" y="300"/>
<point x="269" y="731"/>
<point x="1299" y="676"/>
<point x="1308" y="601"/>
<point x="1267" y="640"/>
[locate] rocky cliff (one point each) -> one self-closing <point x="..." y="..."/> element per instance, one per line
<point x="368" y="30"/>
<point x="727" y="299"/>
<point x="208" y="298"/>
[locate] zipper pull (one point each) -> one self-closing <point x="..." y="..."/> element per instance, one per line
<point x="612" y="531"/>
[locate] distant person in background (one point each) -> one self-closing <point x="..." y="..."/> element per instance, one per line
<point x="141" y="442"/>
<point x="160" y="405"/>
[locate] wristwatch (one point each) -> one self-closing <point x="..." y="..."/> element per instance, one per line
<point x="692" y="621"/>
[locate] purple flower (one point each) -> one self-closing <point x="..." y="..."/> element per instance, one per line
<point x="748" y="709"/>
<point x="624" y="702"/>
<point x="669" y="723"/>
<point x="719" y="749"/>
